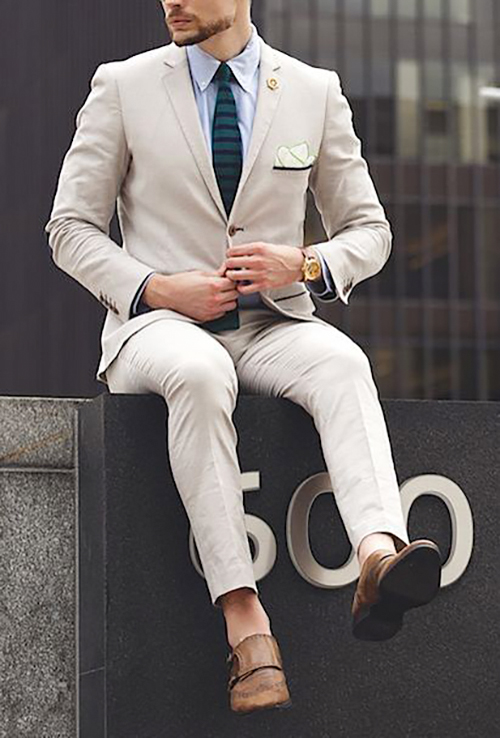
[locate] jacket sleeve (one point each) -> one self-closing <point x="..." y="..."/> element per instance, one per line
<point x="359" y="234"/>
<point x="89" y="183"/>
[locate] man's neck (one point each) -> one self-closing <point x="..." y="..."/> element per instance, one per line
<point x="230" y="43"/>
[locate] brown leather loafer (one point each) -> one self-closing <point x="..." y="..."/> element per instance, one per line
<point x="390" y="584"/>
<point x="256" y="679"/>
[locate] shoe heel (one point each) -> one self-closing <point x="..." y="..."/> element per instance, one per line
<point x="379" y="623"/>
<point x="413" y="582"/>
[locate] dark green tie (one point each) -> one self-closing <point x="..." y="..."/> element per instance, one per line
<point x="227" y="154"/>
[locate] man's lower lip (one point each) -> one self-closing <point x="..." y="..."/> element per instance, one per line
<point x="179" y="22"/>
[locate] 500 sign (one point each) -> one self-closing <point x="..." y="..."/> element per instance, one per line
<point x="297" y="530"/>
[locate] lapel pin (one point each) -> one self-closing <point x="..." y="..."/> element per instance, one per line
<point x="273" y="83"/>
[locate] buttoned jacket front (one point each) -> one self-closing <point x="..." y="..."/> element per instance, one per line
<point x="139" y="146"/>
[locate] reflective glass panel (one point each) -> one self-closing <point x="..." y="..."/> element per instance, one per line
<point x="463" y="111"/>
<point x="439" y="245"/>
<point x="466" y="261"/>
<point x="433" y="8"/>
<point x="468" y="374"/>
<point x="379" y="8"/>
<point x="441" y="374"/>
<point x="414" y="250"/>
<point x="407" y="107"/>
<point x="460" y="11"/>
<point x="493" y="364"/>
<point x="407" y="8"/>
<point x="491" y="253"/>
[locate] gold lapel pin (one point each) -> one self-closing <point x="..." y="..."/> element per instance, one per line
<point x="273" y="83"/>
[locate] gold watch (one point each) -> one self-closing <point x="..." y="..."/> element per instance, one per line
<point x="311" y="268"/>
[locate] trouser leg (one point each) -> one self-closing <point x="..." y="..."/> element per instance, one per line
<point x="320" y="368"/>
<point x="196" y="376"/>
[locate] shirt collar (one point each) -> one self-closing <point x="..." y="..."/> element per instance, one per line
<point x="203" y="66"/>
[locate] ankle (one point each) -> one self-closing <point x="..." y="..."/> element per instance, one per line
<point x="240" y="600"/>
<point x="375" y="542"/>
<point x="244" y="615"/>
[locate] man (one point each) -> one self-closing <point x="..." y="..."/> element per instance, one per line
<point x="209" y="145"/>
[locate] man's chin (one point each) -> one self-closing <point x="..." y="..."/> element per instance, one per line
<point x="189" y="37"/>
<point x="202" y="33"/>
<point x="182" y="38"/>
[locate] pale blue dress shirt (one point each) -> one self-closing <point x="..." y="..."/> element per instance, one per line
<point x="245" y="86"/>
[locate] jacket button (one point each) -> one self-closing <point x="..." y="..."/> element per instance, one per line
<point x="233" y="230"/>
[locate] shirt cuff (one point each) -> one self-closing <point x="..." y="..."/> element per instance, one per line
<point x="138" y="307"/>
<point x="324" y="287"/>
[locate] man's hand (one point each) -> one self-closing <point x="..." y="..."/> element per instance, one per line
<point x="200" y="295"/>
<point x="265" y="265"/>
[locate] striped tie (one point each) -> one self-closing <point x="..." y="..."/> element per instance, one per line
<point x="227" y="149"/>
<point x="227" y="152"/>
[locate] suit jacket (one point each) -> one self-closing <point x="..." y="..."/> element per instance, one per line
<point x="139" y="147"/>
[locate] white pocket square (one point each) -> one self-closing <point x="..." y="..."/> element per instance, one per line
<point x="294" y="157"/>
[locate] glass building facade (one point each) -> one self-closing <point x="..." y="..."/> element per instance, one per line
<point x="414" y="72"/>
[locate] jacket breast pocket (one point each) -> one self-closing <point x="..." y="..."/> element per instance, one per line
<point x="293" y="169"/>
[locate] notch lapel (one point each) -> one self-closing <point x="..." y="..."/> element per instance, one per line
<point x="179" y="87"/>
<point x="267" y="104"/>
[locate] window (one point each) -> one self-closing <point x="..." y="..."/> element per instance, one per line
<point x="407" y="8"/>
<point x="460" y="11"/>
<point x="493" y="364"/>
<point x="461" y="94"/>
<point x="385" y="134"/>
<point x="491" y="254"/>
<point x="433" y="9"/>
<point x="466" y="261"/>
<point x="379" y="8"/>
<point x="436" y="113"/>
<point x="414" y="250"/>
<point x="468" y="374"/>
<point x="439" y="247"/>
<point x="407" y="106"/>
<point x="493" y="133"/>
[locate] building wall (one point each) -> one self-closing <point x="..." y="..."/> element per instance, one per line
<point x="411" y="69"/>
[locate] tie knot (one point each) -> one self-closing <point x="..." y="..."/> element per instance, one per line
<point x="224" y="73"/>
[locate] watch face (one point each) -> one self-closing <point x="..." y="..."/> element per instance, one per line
<point x="313" y="270"/>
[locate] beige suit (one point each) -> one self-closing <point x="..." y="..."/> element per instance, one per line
<point x="139" y="141"/>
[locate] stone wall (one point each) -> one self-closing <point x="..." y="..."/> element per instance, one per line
<point x="37" y="568"/>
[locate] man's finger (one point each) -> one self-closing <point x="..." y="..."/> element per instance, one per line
<point x="225" y="284"/>
<point x="237" y="262"/>
<point x="229" y="295"/>
<point x="244" y="274"/>
<point x="248" y="289"/>
<point x="247" y="249"/>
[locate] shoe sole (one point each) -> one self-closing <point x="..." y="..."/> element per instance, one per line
<point x="413" y="581"/>
<point x="279" y="706"/>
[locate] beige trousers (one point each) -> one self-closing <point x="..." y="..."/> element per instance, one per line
<point x="311" y="363"/>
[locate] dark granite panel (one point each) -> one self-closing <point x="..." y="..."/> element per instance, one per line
<point x="91" y="524"/>
<point x="92" y="704"/>
<point x="37" y="605"/>
<point x="165" y="647"/>
<point x="37" y="432"/>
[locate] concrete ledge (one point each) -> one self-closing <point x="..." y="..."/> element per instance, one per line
<point x="37" y="432"/>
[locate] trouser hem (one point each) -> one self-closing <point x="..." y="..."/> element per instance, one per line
<point x="399" y="532"/>
<point x="236" y="582"/>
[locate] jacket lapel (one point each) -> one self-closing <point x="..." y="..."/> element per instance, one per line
<point x="179" y="87"/>
<point x="268" y="99"/>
